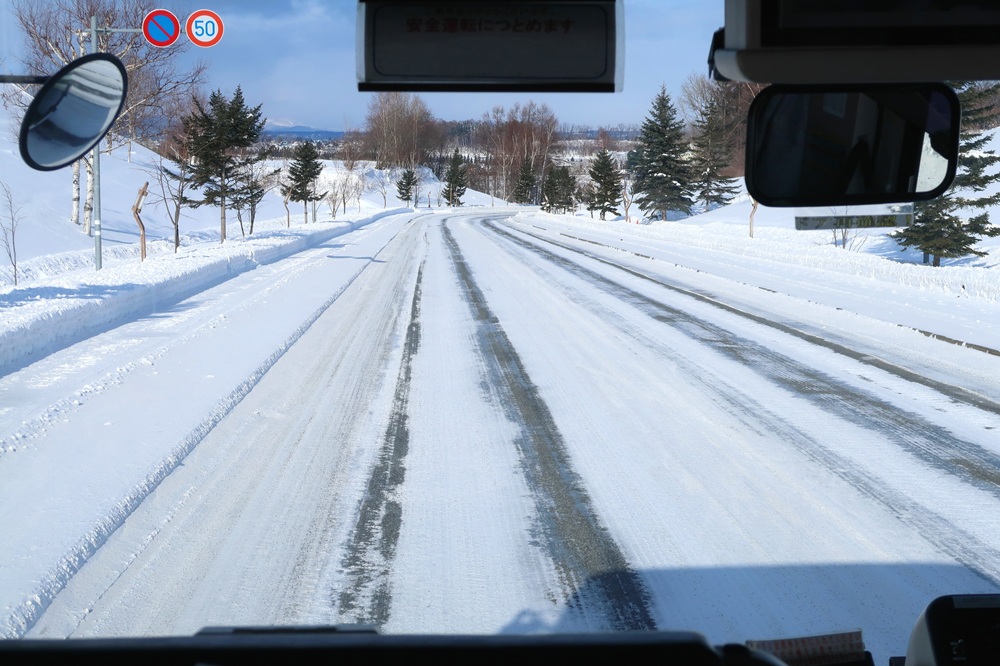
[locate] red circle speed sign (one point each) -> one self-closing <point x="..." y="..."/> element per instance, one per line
<point x="161" y="28"/>
<point x="204" y="28"/>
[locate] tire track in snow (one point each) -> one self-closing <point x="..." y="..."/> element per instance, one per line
<point x="955" y="393"/>
<point x="932" y="443"/>
<point x="367" y="598"/>
<point x="567" y="526"/>
<point x="18" y="619"/>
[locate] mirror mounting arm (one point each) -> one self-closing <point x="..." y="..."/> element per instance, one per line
<point x="27" y="80"/>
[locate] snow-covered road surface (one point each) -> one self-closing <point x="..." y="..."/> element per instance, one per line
<point x="472" y="423"/>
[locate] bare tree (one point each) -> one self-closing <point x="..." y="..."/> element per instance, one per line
<point x="845" y="236"/>
<point x="627" y="190"/>
<point x="332" y="196"/>
<point x="605" y="141"/>
<point x="511" y="136"/>
<point x="696" y="92"/>
<point x="379" y="182"/>
<point x="257" y="177"/>
<point x="397" y="127"/>
<point x="9" y="227"/>
<point x="173" y="169"/>
<point x="733" y="100"/>
<point x="54" y="35"/>
<point x="500" y="153"/>
<point x="350" y="153"/>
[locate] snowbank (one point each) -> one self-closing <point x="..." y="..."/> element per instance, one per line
<point x="45" y="315"/>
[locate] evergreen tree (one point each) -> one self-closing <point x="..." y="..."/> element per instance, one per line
<point x="662" y="174"/>
<point x="937" y="229"/>
<point x="558" y="190"/>
<point x="302" y="174"/>
<point x="711" y="156"/>
<point x="454" y="181"/>
<point x="406" y="186"/>
<point x="216" y="135"/>
<point x="607" y="184"/>
<point x="525" y="186"/>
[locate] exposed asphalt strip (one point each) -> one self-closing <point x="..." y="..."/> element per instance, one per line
<point x="367" y="596"/>
<point x="935" y="445"/>
<point x="591" y="565"/>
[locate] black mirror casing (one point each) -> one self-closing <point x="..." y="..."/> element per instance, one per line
<point x="851" y="145"/>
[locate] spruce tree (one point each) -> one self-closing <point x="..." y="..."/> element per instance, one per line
<point x="558" y="190"/>
<point x="938" y="230"/>
<point x="454" y="181"/>
<point x="406" y="185"/>
<point x="216" y="135"/>
<point x="607" y="184"/>
<point x="711" y="156"/>
<point x="302" y="174"/>
<point x="662" y="174"/>
<point x="525" y="182"/>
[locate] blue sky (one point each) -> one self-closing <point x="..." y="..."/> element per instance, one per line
<point x="297" y="58"/>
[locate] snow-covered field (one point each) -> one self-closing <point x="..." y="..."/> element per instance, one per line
<point x="489" y="420"/>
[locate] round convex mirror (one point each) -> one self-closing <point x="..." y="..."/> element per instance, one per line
<point x="73" y="111"/>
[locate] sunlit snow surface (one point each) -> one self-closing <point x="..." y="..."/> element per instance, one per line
<point x="748" y="506"/>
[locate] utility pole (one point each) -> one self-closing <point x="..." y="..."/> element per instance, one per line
<point x="97" y="149"/>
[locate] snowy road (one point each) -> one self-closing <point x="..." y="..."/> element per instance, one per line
<point x="463" y="423"/>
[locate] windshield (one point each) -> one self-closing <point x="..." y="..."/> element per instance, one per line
<point x="291" y="354"/>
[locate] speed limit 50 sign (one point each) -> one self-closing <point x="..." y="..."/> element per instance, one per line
<point x="204" y="28"/>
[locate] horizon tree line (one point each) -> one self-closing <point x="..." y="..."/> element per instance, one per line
<point x="674" y="166"/>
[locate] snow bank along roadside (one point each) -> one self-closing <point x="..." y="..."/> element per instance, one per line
<point x="39" y="318"/>
<point x="976" y="282"/>
<point x="966" y="297"/>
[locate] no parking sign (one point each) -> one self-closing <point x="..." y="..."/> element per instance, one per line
<point x="204" y="28"/>
<point x="161" y="28"/>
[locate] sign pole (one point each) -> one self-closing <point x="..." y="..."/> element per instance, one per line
<point x="97" y="170"/>
<point x="161" y="28"/>
<point x="98" y="253"/>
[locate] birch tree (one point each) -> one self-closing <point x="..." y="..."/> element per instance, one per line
<point x="53" y="36"/>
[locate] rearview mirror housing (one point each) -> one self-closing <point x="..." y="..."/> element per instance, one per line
<point x="851" y="145"/>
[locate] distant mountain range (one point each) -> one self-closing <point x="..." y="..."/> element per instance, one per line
<point x="299" y="133"/>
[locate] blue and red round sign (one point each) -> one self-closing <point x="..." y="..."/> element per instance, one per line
<point x="161" y="28"/>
